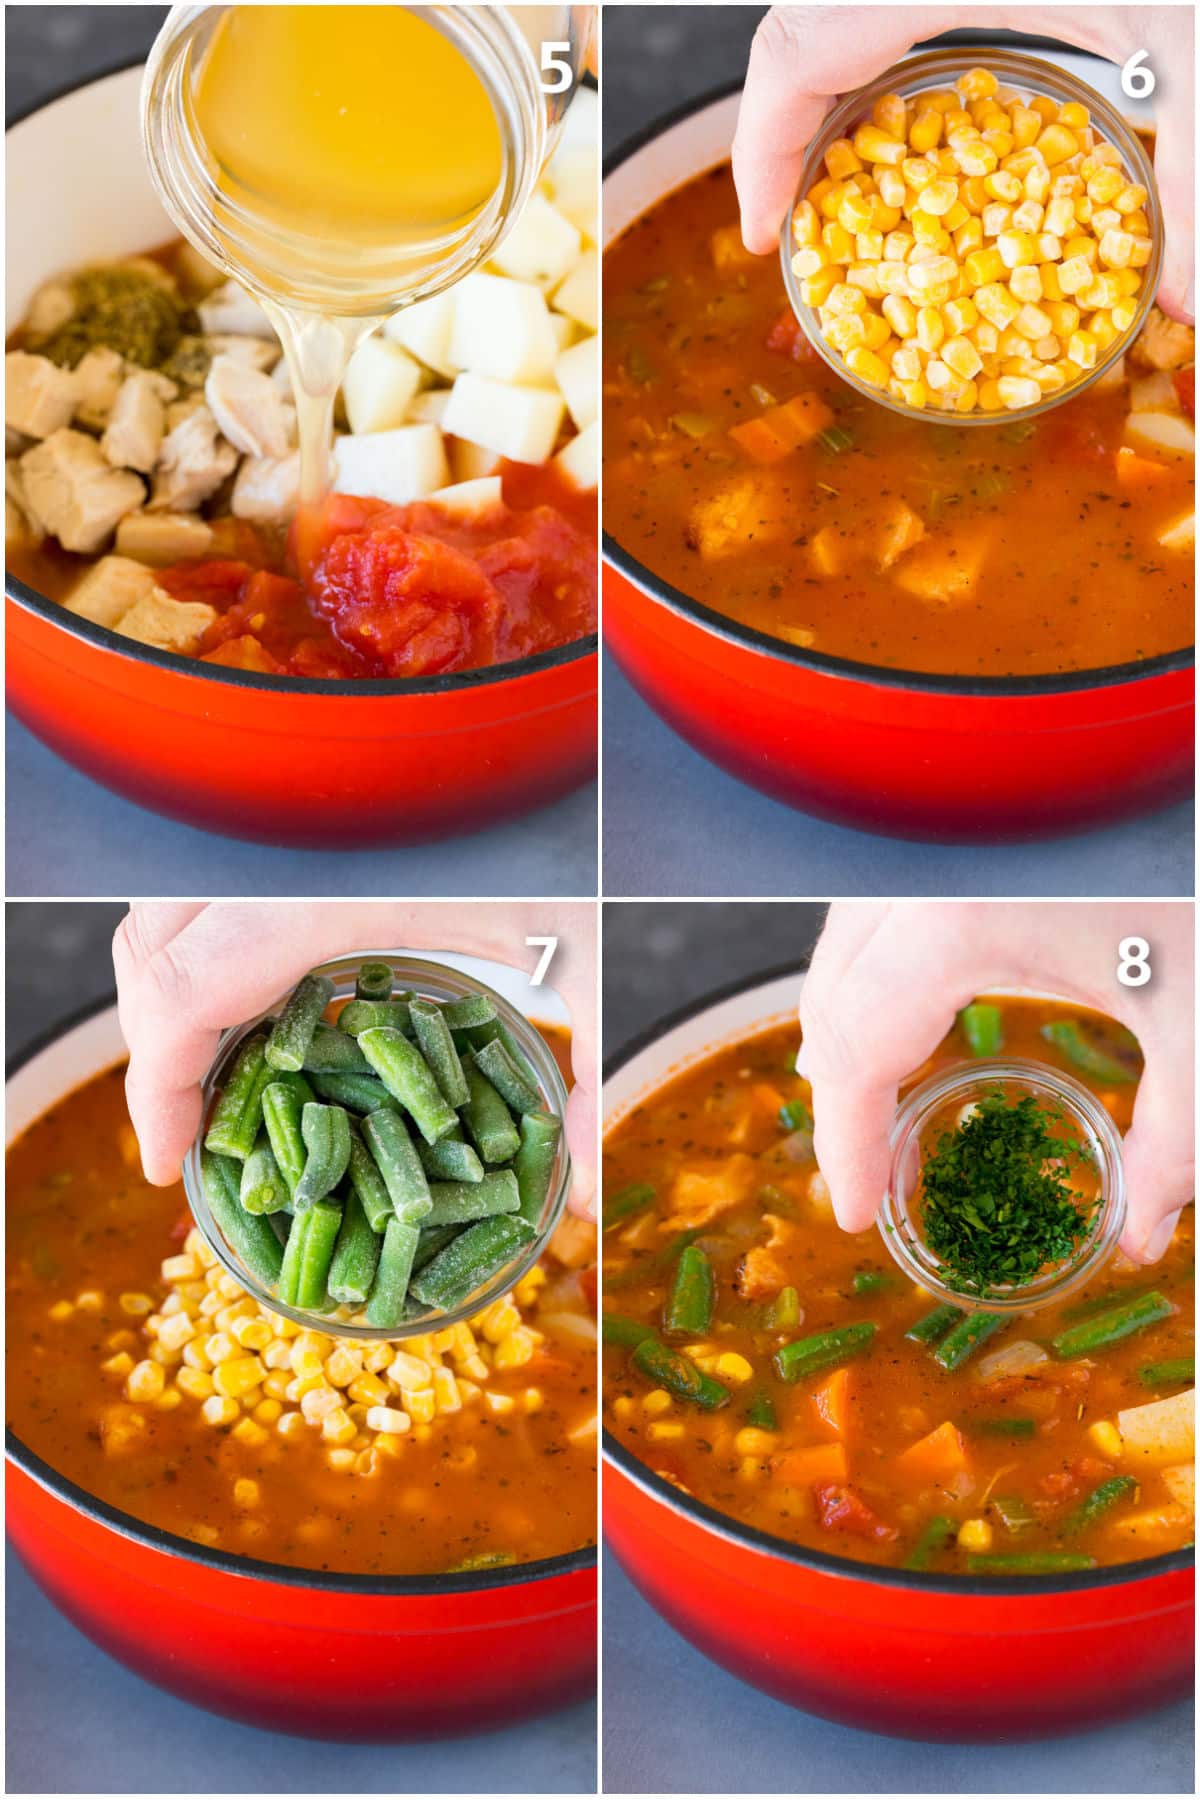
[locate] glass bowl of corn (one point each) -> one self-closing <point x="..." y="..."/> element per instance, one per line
<point x="972" y="242"/>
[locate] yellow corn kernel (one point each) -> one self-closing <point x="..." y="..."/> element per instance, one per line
<point x="984" y="267"/>
<point x="319" y="1403"/>
<point x="752" y="1441"/>
<point x="445" y="1391"/>
<point x="876" y="332"/>
<point x="1131" y="198"/>
<point x="937" y="197"/>
<point x="1031" y="322"/>
<point x="1003" y="185"/>
<point x="210" y="1304"/>
<point x="1016" y="391"/>
<point x="168" y="1400"/>
<point x="251" y="1332"/>
<point x="220" y="1348"/>
<point x="930" y="328"/>
<point x="370" y="1390"/>
<point x="1123" y="314"/>
<point x="291" y="1424"/>
<point x="388" y="1418"/>
<point x="661" y="1431"/>
<point x="176" y="1331"/>
<point x="657" y="1401"/>
<point x="1026" y="283"/>
<point x="997" y="304"/>
<point x="180" y="1268"/>
<point x="267" y="1411"/>
<point x="342" y="1458"/>
<point x="891" y="188"/>
<point x="1107" y="1438"/>
<point x="977" y="84"/>
<point x="1057" y="143"/>
<point x="533" y="1399"/>
<point x="975" y="1535"/>
<point x="844" y="298"/>
<point x="120" y="1364"/>
<point x="876" y="146"/>
<point x="816" y="289"/>
<point x="136" y="1305"/>
<point x="420" y="1404"/>
<point x="960" y="315"/>
<point x="146" y="1381"/>
<point x="277" y="1356"/>
<point x="732" y="1365"/>
<point x="926" y="129"/>
<point x="1074" y="275"/>
<point x="344" y="1366"/>
<point x="337" y="1427"/>
<point x="246" y="1492"/>
<point x="907" y="364"/>
<point x="865" y="277"/>
<point x="376" y="1358"/>
<point x="841" y="159"/>
<point x="960" y="355"/>
<point x="1082" y="348"/>
<point x="847" y="332"/>
<point x="805" y="224"/>
<point x="900" y="314"/>
<point x="968" y="237"/>
<point x="502" y="1403"/>
<point x="237" y="1376"/>
<point x="518" y="1347"/>
<point x="218" y="1410"/>
<point x="196" y="1382"/>
<point x="1017" y="248"/>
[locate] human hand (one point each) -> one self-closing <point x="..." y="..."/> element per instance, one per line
<point x="186" y="970"/>
<point x="804" y="56"/>
<point x="888" y="978"/>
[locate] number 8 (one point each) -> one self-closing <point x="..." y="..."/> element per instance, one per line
<point x="1133" y="968"/>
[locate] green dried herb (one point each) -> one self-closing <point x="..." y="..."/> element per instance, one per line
<point x="998" y="1201"/>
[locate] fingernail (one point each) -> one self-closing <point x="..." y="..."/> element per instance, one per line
<point x="1156" y="1244"/>
<point x="802" y="1063"/>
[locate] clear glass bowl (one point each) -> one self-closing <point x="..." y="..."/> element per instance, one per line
<point x="923" y="1115"/>
<point x="942" y="68"/>
<point x="432" y="981"/>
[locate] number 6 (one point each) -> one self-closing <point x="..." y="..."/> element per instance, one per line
<point x="1137" y="82"/>
<point x="1133" y="967"/>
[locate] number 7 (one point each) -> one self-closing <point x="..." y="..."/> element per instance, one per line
<point x="548" y="946"/>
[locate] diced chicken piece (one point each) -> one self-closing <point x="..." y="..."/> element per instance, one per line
<point x="231" y="309"/>
<point x="747" y="510"/>
<point x="18" y="527"/>
<point x="248" y="407"/>
<point x="424" y="330"/>
<point x="577" y="372"/>
<point x="110" y="589"/>
<point x="902" y="530"/>
<point x="380" y="384"/>
<point x="471" y="462"/>
<point x="579" y="460"/>
<point x="50" y="308"/>
<point x="502" y="329"/>
<point x="1168" y="431"/>
<point x="397" y="466"/>
<point x="195" y="461"/>
<point x="763" y="1271"/>
<point x="1181" y="535"/>
<point x="75" y="492"/>
<point x="158" y="539"/>
<point x="828" y="550"/>
<point x="700" y="1195"/>
<point x="944" y="571"/>
<point x="1154" y="392"/>
<point x="1164" y="343"/>
<point x="18" y="498"/>
<point x="16" y="443"/>
<point x="517" y="422"/>
<point x="138" y="424"/>
<point x="543" y="246"/>
<point x="579" y="295"/>
<point x="39" y="397"/>
<point x="98" y="379"/>
<point x="428" y="407"/>
<point x="470" y="497"/>
<point x="164" y="623"/>
<point x="255" y="352"/>
<point x="182" y="409"/>
<point x="267" y="489"/>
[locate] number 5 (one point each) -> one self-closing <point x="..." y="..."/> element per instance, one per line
<point x="548" y="947"/>
<point x="554" y="61"/>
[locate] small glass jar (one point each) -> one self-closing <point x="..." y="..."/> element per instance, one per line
<point x="350" y="280"/>
<point x="431" y="981"/>
<point x="922" y="1117"/>
<point x="940" y="69"/>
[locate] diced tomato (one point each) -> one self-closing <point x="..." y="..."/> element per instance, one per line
<point x="842" y="1509"/>
<point x="1185" y="388"/>
<point x="786" y="338"/>
<point x="243" y="653"/>
<point x="180" y="1228"/>
<point x="216" y="583"/>
<point x="408" y="603"/>
<point x="588" y="1287"/>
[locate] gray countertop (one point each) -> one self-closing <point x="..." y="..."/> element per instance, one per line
<point x="674" y="823"/>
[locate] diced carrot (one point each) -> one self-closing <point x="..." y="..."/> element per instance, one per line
<point x="806" y="414"/>
<point x="782" y="429"/>
<point x="1185" y="387"/>
<point x="934" y="1457"/>
<point x="817" y="1462"/>
<point x="841" y="1509"/>
<point x="767" y="1097"/>
<point x="761" y="441"/>
<point x="833" y="1400"/>
<point x="1140" y="471"/>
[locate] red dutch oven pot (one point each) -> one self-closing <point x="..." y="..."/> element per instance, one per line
<point x="272" y="758"/>
<point x="920" y="1656"/>
<point x="885" y="750"/>
<point x="280" y="1647"/>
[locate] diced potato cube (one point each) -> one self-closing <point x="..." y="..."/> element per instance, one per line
<point x="424" y="330"/>
<point x="517" y="422"/>
<point x="428" y="407"/>
<point x="577" y="372"/>
<point x="1181" y="535"/>
<point x="543" y="246"/>
<point x="579" y="460"/>
<point x="469" y="497"/>
<point x="397" y="466"/>
<point x="380" y="384"/>
<point x="943" y="571"/>
<point x="579" y="295"/>
<point x="1163" y="431"/>
<point x="1180" y="1483"/>
<point x="502" y="329"/>
<point x="1162" y="1431"/>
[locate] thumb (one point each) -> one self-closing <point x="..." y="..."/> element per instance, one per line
<point x="1159" y="1157"/>
<point x="1174" y="178"/>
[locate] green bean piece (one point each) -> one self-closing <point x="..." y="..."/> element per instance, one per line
<point x="983" y="1028"/>
<point x="471" y="1011"/>
<point x="409" y="1079"/>
<point x="368" y="1184"/>
<point x="871" y="1281"/>
<point x="1067" y="1036"/>
<point x="358" y="1016"/>
<point x="293" y="1031"/>
<point x="263" y="1188"/>
<point x="507" y="1079"/>
<point x="386" y="1137"/>
<point x="1110" y="1327"/>
<point x="761" y="1411"/>
<point x="784" y="1313"/>
<point x="1016" y="1428"/>
<point x="933" y="1325"/>
<point x="233" y="1128"/>
<point x="355" y="1256"/>
<point x="824" y="1350"/>
<point x="388" y="1296"/>
<point x="437" y="1047"/>
<point x="629" y="1200"/>
<point x="248" y="1235"/>
<point x="795" y="1116"/>
<point x="1179" y="1369"/>
<point x="450" y="1159"/>
<point x="627" y="1333"/>
<point x="1014" y="1512"/>
<point x="533" y="1165"/>
<point x="326" y="1134"/>
<point x="431" y="1242"/>
<point x="283" y="1103"/>
<point x="289" y="1275"/>
<point x="936" y="1535"/>
<point x="460" y="1202"/>
<point x="650" y="1267"/>
<point x="334" y="1052"/>
<point x="494" y="1030"/>
<point x="323" y="1222"/>
<point x="1087" y="1309"/>
<point x="358" y="1093"/>
<point x="1032" y="1562"/>
<point x="475" y="1255"/>
<point x="488" y="1121"/>
<point x="374" y="982"/>
<point x="966" y="1338"/>
<point x="692" y="1295"/>
<point x="1100" y="1501"/>
<point x="678" y="1374"/>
